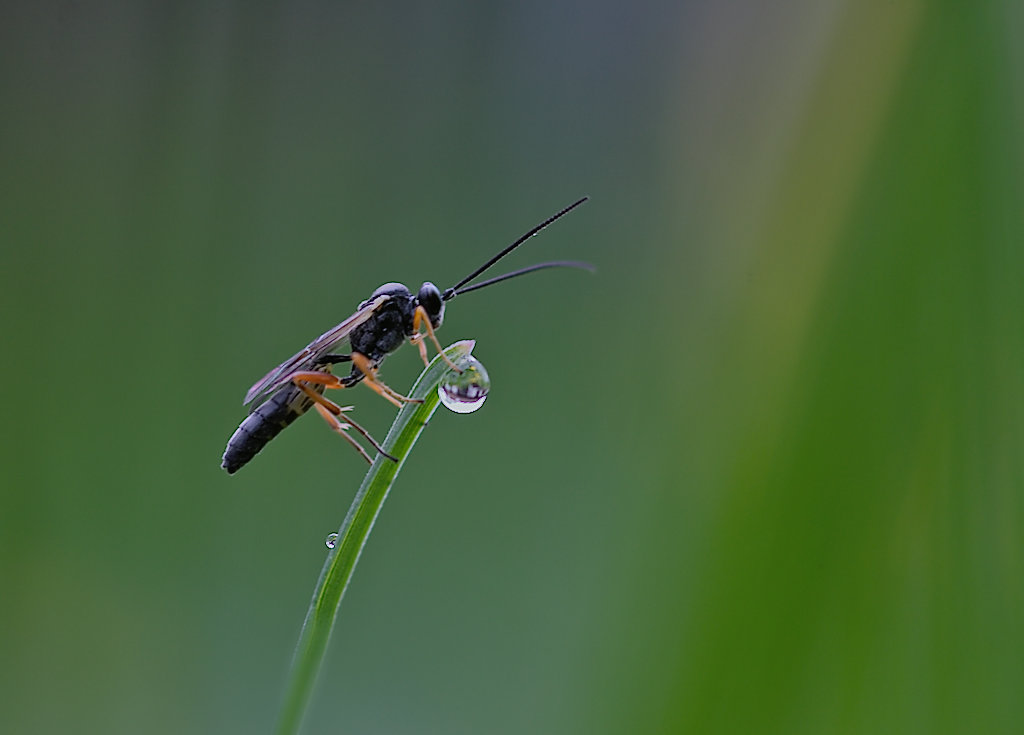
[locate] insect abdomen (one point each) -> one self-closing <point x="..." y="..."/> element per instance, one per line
<point x="264" y="423"/>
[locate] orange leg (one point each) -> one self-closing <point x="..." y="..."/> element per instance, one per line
<point x="329" y="380"/>
<point x="365" y="434"/>
<point x="417" y="339"/>
<point x="421" y="316"/>
<point x="317" y="377"/>
<point x="330" y="410"/>
<point x="341" y="429"/>
<point x="369" y="370"/>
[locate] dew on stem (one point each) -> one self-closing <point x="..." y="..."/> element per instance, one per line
<point x="465" y="392"/>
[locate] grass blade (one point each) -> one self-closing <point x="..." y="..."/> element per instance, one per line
<point x="352" y="536"/>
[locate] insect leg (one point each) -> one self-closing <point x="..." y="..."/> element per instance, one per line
<point x="421" y="316"/>
<point x="331" y="410"/>
<point x="364" y="433"/>
<point x="369" y="370"/>
<point x="341" y="429"/>
<point x="319" y="377"/>
<point x="417" y="339"/>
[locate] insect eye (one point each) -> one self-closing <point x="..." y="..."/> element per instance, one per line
<point x="429" y="298"/>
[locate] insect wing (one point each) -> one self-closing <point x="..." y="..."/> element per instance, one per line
<point x="322" y="345"/>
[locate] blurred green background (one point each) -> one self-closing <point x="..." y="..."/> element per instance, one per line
<point x="761" y="473"/>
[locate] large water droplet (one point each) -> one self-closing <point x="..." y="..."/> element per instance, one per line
<point x="332" y="540"/>
<point x="465" y="392"/>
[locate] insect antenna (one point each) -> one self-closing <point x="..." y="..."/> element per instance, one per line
<point x="457" y="288"/>
<point x="529" y="269"/>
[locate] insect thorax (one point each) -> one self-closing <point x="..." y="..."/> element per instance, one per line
<point x="390" y="325"/>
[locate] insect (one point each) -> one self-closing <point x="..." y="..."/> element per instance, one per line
<point x="381" y="324"/>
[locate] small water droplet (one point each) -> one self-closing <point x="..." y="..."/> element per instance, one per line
<point x="332" y="540"/>
<point x="465" y="392"/>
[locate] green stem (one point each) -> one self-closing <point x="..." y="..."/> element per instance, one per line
<point x="352" y="536"/>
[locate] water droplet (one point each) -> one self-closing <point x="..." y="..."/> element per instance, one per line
<point x="465" y="392"/>
<point x="332" y="540"/>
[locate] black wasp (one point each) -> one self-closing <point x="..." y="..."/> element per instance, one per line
<point x="379" y="326"/>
